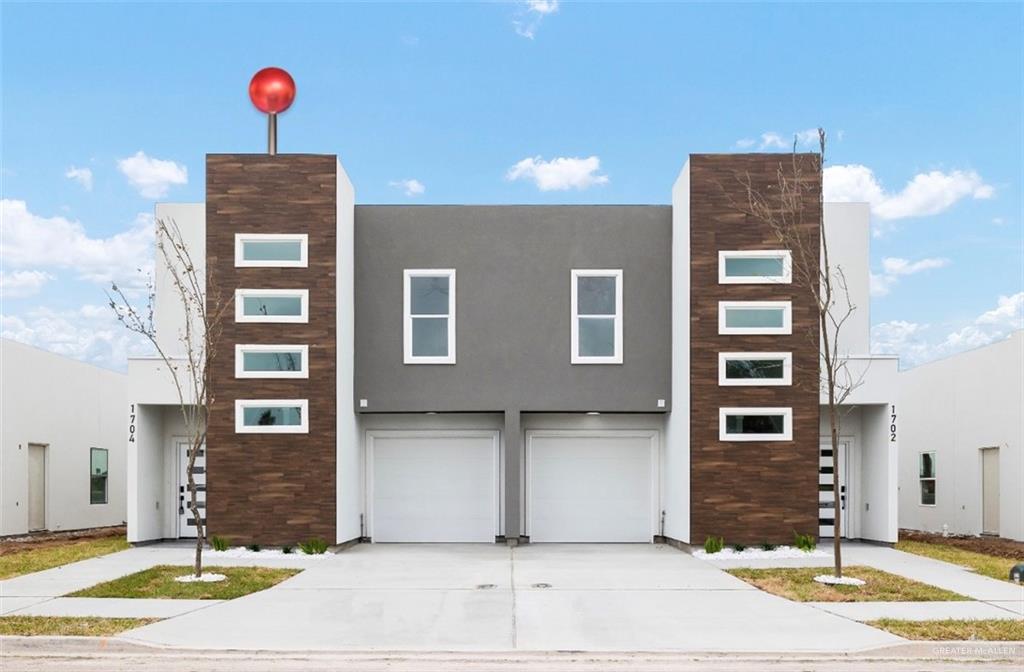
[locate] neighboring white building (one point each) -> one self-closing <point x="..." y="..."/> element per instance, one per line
<point x="962" y="427"/>
<point x="63" y="442"/>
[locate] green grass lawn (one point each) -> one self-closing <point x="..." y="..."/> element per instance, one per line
<point x="986" y="565"/>
<point x="798" y="584"/>
<point x="66" y="626"/>
<point x="158" y="582"/>
<point x="38" y="559"/>
<point x="993" y="630"/>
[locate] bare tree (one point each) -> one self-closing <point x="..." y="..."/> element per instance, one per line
<point x="190" y="366"/>
<point x="800" y="229"/>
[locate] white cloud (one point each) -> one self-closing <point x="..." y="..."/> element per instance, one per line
<point x="91" y="334"/>
<point x="152" y="177"/>
<point x="925" y="194"/>
<point x="31" y="241"/>
<point x="559" y="174"/>
<point x="81" y="175"/>
<point x="530" y="15"/>
<point x="409" y="187"/>
<point x="893" y="268"/>
<point x="773" y="140"/>
<point x="998" y="221"/>
<point x="911" y="340"/>
<point x="20" y="284"/>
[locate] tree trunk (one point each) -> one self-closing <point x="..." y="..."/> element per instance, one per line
<point x="193" y="506"/>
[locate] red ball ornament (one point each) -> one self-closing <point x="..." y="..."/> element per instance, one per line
<point x="272" y="90"/>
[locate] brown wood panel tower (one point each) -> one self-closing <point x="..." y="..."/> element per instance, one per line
<point x="273" y="488"/>
<point x="748" y="492"/>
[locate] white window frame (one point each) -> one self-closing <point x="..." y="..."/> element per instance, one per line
<point x="407" y="316"/>
<point x="787" y="369"/>
<point x="240" y="315"/>
<point x="242" y="428"/>
<point x="784" y="279"/>
<point x="242" y="238"/>
<point x="787" y="318"/>
<point x="577" y="273"/>
<point x="785" y="412"/>
<point x="921" y="479"/>
<point x="241" y="349"/>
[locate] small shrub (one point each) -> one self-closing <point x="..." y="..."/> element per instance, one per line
<point x="255" y="548"/>
<point x="286" y="550"/>
<point x="314" y="546"/>
<point x="767" y="547"/>
<point x="219" y="543"/>
<point x="739" y="548"/>
<point x="805" y="542"/>
<point x="713" y="544"/>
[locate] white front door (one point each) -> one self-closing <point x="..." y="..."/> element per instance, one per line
<point x="36" y="487"/>
<point x="591" y="486"/>
<point x="990" y="491"/>
<point x="186" y="523"/>
<point x="826" y="492"/>
<point x="433" y="486"/>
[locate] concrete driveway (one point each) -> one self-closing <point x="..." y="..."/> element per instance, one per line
<point x="531" y="598"/>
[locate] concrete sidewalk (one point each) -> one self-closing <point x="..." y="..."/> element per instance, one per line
<point x="915" y="611"/>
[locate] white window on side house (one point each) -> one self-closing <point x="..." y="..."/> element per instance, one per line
<point x="271" y="361"/>
<point x="271" y="250"/>
<point x="429" y="311"/>
<point x="271" y="416"/>
<point x="272" y="305"/>
<point x="755" y="424"/>
<point x="98" y="462"/>
<point x="755" y="317"/>
<point x="926" y="476"/>
<point x="755" y="368"/>
<point x="754" y="267"/>
<point x="596" y="329"/>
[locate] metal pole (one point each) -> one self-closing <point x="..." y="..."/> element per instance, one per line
<point x="272" y="133"/>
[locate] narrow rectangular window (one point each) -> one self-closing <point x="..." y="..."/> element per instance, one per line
<point x="596" y="329"/>
<point x="429" y="316"/>
<point x="926" y="476"/>
<point x="271" y="250"/>
<point x="755" y="317"/>
<point x="272" y="305"/>
<point x="98" y="475"/>
<point x="755" y="267"/>
<point x="755" y="368"/>
<point x="271" y="416"/>
<point x="755" y="424"/>
<point x="271" y="361"/>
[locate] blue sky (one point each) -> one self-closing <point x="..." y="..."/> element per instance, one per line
<point x="923" y="102"/>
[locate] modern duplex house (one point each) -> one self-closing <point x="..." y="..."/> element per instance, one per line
<point x="512" y="373"/>
<point x="962" y="463"/>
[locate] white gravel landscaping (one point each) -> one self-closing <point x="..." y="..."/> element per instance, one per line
<point x="205" y="578"/>
<point x="242" y="552"/>
<point x="830" y="580"/>
<point x="778" y="553"/>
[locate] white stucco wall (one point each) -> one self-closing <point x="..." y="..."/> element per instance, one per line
<point x="347" y="469"/>
<point x="955" y="407"/>
<point x="676" y="451"/>
<point x="848" y="232"/>
<point x="70" y="407"/>
<point x="169" y="319"/>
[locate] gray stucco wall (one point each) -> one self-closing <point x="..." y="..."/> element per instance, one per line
<point x="513" y="268"/>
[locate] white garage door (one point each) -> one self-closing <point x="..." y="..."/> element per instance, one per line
<point x="433" y="486"/>
<point x="591" y="488"/>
